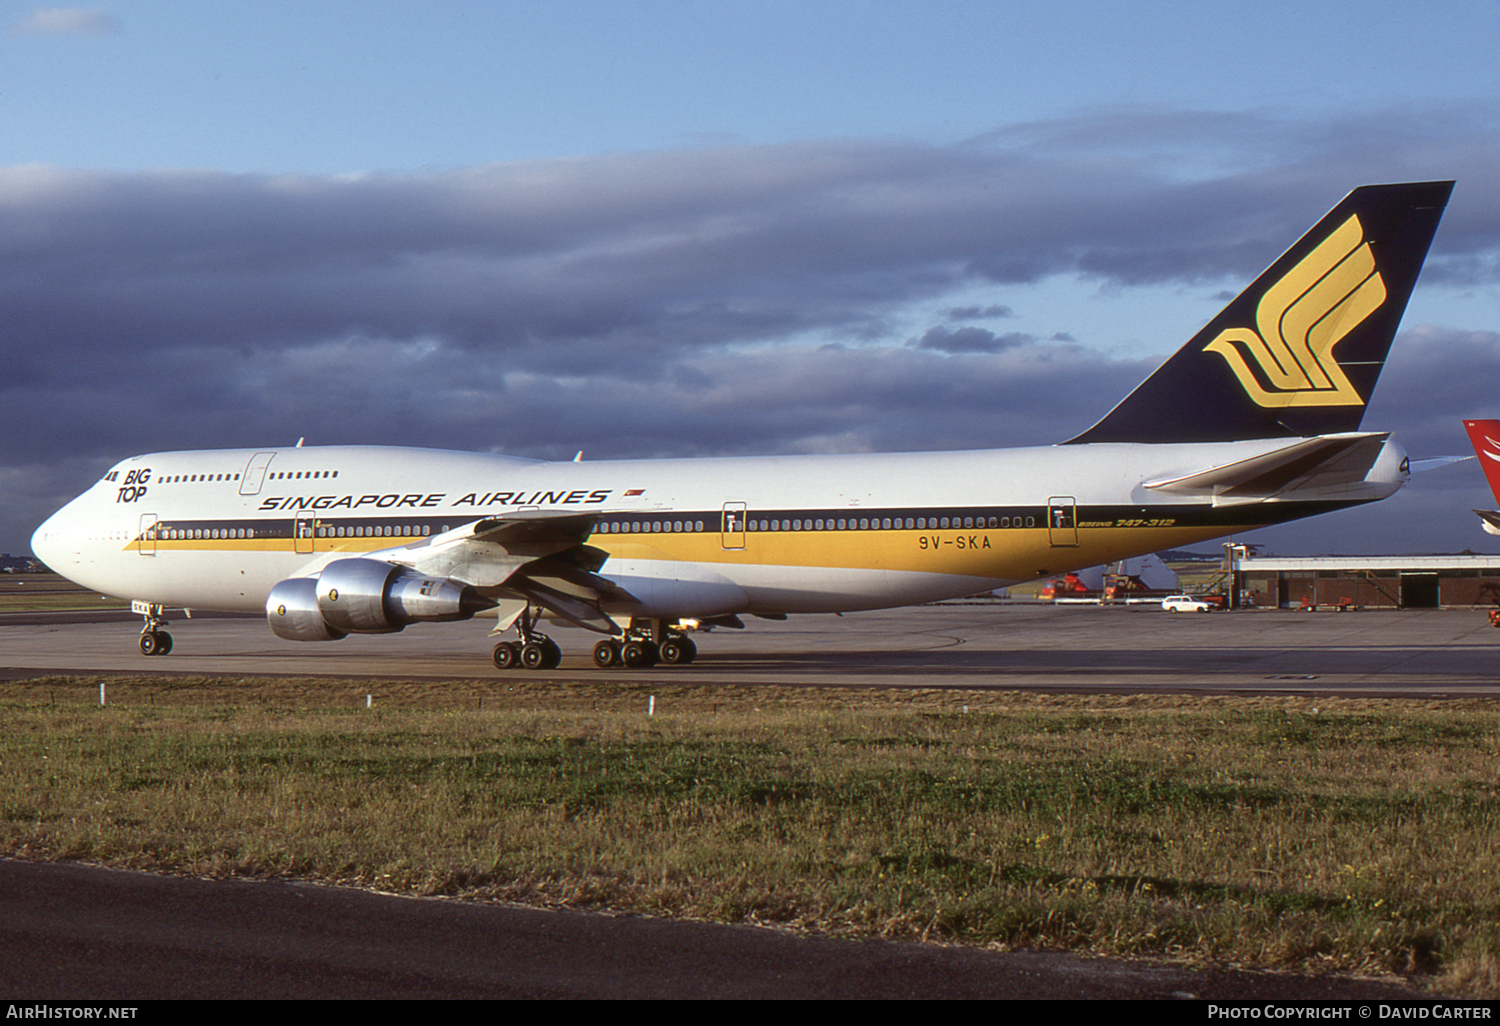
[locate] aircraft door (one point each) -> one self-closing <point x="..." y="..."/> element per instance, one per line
<point x="147" y="538"/>
<point x="1062" y="521"/>
<point x="302" y="535"/>
<point x="255" y="473"/>
<point x="734" y="525"/>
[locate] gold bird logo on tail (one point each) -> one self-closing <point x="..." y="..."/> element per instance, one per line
<point x="1300" y="319"/>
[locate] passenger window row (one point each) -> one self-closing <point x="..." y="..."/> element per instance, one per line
<point x="823" y="524"/>
<point x="891" y="524"/>
<point x="382" y="531"/>
<point x="195" y="478"/>
<point x="161" y="533"/>
<point x="650" y="526"/>
<point x="164" y="532"/>
<point x="285" y="475"/>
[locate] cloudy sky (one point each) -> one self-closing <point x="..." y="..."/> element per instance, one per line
<point x="696" y="227"/>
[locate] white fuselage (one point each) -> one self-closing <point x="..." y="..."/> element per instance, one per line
<point x="217" y="530"/>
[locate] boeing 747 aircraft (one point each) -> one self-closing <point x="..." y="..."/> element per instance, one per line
<point x="1254" y="422"/>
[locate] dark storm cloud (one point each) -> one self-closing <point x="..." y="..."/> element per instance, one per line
<point x="969" y="340"/>
<point x="742" y="299"/>
<point x="977" y="313"/>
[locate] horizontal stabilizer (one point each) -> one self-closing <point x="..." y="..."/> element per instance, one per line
<point x="1313" y="463"/>
<point x="1490" y="518"/>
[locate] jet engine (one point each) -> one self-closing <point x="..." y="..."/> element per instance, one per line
<point x="365" y="596"/>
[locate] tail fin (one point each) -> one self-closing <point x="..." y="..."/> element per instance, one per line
<point x="1266" y="366"/>
<point x="1485" y="436"/>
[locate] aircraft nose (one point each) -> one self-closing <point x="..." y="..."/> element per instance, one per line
<point x="49" y="541"/>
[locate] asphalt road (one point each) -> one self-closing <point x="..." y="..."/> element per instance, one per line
<point x="1428" y="652"/>
<point x="70" y="932"/>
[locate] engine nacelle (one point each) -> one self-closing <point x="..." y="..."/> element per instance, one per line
<point x="292" y="610"/>
<point x="365" y="596"/>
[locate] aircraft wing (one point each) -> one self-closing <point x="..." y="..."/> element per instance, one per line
<point x="527" y="557"/>
<point x="1323" y="462"/>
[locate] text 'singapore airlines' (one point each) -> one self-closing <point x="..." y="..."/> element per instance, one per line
<point x="1256" y="421"/>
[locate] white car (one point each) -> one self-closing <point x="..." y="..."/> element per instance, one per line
<point x="1184" y="604"/>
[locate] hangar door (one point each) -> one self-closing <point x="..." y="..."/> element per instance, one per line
<point x="1419" y="591"/>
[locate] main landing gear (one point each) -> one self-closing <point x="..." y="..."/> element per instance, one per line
<point x="533" y="652"/>
<point x="154" y="640"/>
<point x="644" y="644"/>
<point x="539" y="653"/>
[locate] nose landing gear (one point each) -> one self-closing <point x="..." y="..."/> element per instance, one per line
<point x="154" y="641"/>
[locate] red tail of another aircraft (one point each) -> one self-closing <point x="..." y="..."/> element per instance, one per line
<point x="1485" y="436"/>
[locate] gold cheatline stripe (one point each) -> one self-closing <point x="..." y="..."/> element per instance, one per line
<point x="1015" y="553"/>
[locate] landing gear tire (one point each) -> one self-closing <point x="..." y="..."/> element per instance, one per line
<point x="541" y="654"/>
<point x="607" y="654"/>
<point x="507" y="655"/>
<point x="678" y="651"/>
<point x="154" y="643"/>
<point x="639" y="654"/>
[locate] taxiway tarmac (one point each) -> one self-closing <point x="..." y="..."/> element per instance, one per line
<point x="1009" y="646"/>
<point x="71" y="933"/>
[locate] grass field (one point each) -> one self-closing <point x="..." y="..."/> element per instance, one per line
<point x="49" y="593"/>
<point x="1282" y="833"/>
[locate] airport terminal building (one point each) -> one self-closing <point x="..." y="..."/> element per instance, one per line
<point x="1367" y="582"/>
